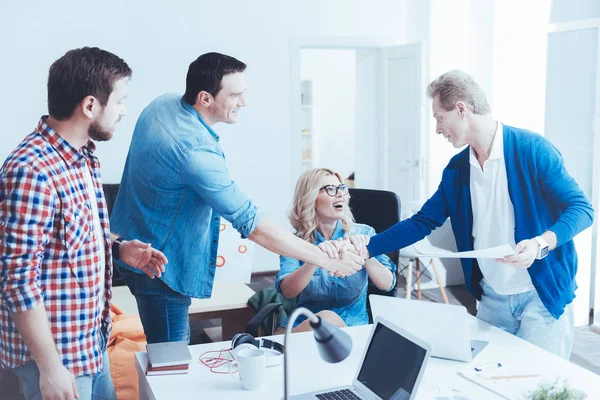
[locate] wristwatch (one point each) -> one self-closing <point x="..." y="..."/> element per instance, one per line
<point x="543" y="250"/>
<point x="116" y="246"/>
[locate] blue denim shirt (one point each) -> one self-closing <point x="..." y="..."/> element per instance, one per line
<point x="347" y="296"/>
<point x="174" y="189"/>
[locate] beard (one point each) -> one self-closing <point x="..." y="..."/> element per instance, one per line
<point x="99" y="133"/>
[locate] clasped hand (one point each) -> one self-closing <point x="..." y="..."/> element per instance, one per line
<point x="353" y="247"/>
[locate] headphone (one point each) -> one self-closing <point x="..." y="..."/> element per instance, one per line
<point x="273" y="350"/>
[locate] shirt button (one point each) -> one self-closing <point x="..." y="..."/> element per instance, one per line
<point x="332" y="283"/>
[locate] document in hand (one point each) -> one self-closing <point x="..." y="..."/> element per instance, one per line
<point x="168" y="354"/>
<point x="425" y="249"/>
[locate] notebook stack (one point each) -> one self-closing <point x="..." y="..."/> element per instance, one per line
<point x="168" y="358"/>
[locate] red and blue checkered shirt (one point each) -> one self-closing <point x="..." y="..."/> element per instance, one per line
<point x="48" y="250"/>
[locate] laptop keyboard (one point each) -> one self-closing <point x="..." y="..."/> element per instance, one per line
<point x="338" y="395"/>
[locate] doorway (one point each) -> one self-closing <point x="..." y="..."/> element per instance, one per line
<point x="357" y="106"/>
<point x="328" y="104"/>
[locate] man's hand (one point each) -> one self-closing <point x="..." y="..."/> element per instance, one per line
<point x="58" y="384"/>
<point x="333" y="247"/>
<point x="524" y="256"/>
<point x="347" y="264"/>
<point x="142" y="256"/>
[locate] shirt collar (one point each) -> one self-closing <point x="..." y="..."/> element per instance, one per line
<point x="337" y="233"/>
<point x="64" y="148"/>
<point x="189" y="108"/>
<point x="497" y="151"/>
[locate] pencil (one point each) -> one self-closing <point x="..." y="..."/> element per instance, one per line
<point x="512" y="376"/>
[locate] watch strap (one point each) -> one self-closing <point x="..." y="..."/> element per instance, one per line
<point x="116" y="247"/>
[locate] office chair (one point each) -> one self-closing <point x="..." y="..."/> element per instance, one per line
<point x="110" y="193"/>
<point x="381" y="210"/>
<point x="413" y="255"/>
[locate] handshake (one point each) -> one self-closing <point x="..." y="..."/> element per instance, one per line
<point x="346" y="256"/>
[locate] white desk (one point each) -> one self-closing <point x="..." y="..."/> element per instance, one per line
<point x="308" y="372"/>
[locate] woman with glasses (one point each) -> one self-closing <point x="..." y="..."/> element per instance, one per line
<point x="320" y="214"/>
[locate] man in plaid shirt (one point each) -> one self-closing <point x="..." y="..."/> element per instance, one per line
<point x="55" y="241"/>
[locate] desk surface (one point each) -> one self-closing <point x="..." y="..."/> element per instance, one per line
<point x="225" y="297"/>
<point x="440" y="380"/>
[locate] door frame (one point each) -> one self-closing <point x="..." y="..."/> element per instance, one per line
<point x="320" y="42"/>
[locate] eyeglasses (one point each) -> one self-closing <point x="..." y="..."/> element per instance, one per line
<point x="332" y="190"/>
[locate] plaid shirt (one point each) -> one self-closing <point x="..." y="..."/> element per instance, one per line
<point x="48" y="250"/>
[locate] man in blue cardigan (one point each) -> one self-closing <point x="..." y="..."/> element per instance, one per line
<point x="508" y="186"/>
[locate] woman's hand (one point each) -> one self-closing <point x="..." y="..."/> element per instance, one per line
<point x="338" y="249"/>
<point x="360" y="243"/>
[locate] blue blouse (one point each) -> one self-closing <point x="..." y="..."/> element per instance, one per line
<point x="347" y="296"/>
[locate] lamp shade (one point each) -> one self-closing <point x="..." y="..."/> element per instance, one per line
<point x="334" y="344"/>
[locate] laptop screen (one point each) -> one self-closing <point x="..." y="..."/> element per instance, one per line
<point x="391" y="365"/>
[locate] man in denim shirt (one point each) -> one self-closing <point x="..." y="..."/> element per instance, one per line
<point x="176" y="187"/>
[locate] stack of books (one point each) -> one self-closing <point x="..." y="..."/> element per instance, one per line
<point x="168" y="358"/>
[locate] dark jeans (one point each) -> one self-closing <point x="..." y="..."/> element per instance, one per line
<point x="163" y="311"/>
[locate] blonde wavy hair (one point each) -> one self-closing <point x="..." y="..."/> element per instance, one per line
<point x="303" y="216"/>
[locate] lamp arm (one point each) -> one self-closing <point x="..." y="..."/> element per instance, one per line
<point x="290" y="325"/>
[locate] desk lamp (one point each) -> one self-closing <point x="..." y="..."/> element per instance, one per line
<point x="334" y="345"/>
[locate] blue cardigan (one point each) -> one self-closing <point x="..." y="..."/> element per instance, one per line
<point x="544" y="196"/>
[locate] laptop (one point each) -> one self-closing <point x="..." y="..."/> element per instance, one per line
<point x="391" y="367"/>
<point x="444" y="326"/>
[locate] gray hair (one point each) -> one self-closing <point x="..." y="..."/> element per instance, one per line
<point x="454" y="86"/>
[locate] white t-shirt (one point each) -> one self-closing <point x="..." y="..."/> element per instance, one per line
<point x="98" y="232"/>
<point x="494" y="219"/>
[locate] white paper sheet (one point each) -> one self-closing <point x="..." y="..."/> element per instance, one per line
<point x="426" y="249"/>
<point x="234" y="256"/>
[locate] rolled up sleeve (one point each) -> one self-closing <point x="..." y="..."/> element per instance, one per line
<point x="287" y="265"/>
<point x="204" y="168"/>
<point x="26" y="218"/>
<point x="558" y="186"/>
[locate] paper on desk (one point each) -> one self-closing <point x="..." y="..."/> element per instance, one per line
<point x="510" y="381"/>
<point x="426" y="249"/>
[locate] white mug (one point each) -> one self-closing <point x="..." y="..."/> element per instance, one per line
<point x="251" y="367"/>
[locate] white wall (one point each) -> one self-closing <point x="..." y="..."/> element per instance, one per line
<point x="333" y="76"/>
<point x="159" y="42"/>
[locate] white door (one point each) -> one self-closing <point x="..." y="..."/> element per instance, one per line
<point x="404" y="121"/>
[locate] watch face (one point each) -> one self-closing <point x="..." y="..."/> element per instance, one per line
<point x="544" y="252"/>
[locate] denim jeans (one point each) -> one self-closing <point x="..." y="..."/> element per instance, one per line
<point x="163" y="311"/>
<point x="525" y="316"/>
<point x="96" y="387"/>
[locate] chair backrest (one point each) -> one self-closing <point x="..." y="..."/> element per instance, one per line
<point x="110" y="194"/>
<point x="379" y="209"/>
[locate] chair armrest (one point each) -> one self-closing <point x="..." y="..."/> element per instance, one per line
<point x="261" y="316"/>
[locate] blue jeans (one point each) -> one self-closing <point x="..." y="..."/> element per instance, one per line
<point x="163" y="311"/>
<point x="90" y="387"/>
<point x="525" y="316"/>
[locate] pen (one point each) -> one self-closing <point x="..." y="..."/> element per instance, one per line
<point x="486" y="366"/>
<point x="512" y="376"/>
